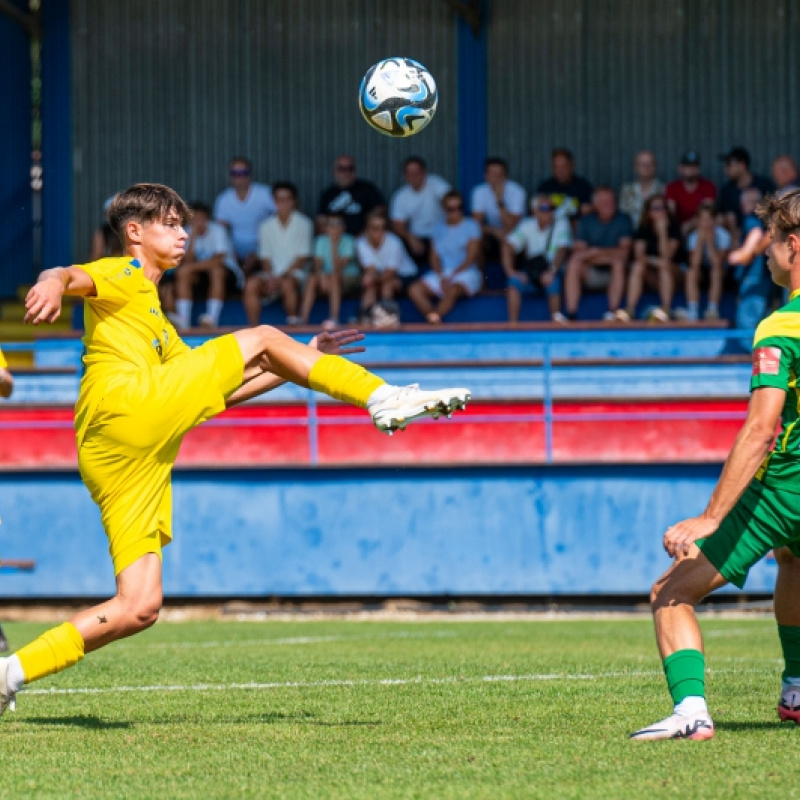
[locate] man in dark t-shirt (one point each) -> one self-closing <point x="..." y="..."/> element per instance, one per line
<point x="737" y="170"/>
<point x="571" y="194"/>
<point x="348" y="195"/>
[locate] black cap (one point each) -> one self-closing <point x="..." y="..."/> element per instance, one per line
<point x="736" y="154"/>
<point x="690" y="157"/>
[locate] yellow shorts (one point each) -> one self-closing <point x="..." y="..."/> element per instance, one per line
<point x="130" y="446"/>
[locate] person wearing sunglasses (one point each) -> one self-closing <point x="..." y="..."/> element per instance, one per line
<point x="349" y="195"/>
<point x="241" y="208"/>
<point x="454" y="273"/>
<point x="533" y="255"/>
<point x="656" y="245"/>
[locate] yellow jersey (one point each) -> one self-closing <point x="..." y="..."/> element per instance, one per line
<point x="126" y="331"/>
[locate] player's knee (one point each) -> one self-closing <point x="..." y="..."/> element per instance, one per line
<point x="143" y="612"/>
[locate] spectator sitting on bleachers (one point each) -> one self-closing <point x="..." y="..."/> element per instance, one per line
<point x="208" y="252"/>
<point x="737" y="170"/>
<point x="348" y="195"/>
<point x="685" y="194"/>
<point x="416" y="208"/>
<point x="105" y="243"/>
<point x="335" y="271"/>
<point x="756" y="288"/>
<point x="571" y="193"/>
<point x="784" y="173"/>
<point x="455" y="250"/>
<point x="600" y="254"/>
<point x="284" y="249"/>
<point x="656" y="243"/>
<point x="388" y="269"/>
<point x="632" y="196"/>
<point x="497" y="205"/>
<point x="707" y="249"/>
<point x="241" y="208"/>
<point x="533" y="255"/>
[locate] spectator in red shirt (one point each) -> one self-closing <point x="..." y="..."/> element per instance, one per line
<point x="685" y="195"/>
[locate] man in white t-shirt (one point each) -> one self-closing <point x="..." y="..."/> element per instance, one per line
<point x="284" y="250"/>
<point x="416" y="208"/>
<point x="387" y="267"/>
<point x="497" y="205"/>
<point x="208" y="252"/>
<point x="454" y="274"/>
<point x="241" y="208"/>
<point x="534" y="254"/>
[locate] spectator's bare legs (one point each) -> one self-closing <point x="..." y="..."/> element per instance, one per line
<point x="186" y="277"/>
<point x="332" y="286"/>
<point x="166" y="294"/>
<point x="787" y="597"/>
<point x="635" y="283"/>
<point x="715" y="282"/>
<point x="369" y="289"/>
<point x="514" y="303"/>
<point x="257" y="286"/>
<point x="693" y="277"/>
<point x="313" y="283"/>
<point x="250" y="264"/>
<point x="390" y="284"/>
<point x="290" y="292"/>
<point x="666" y="282"/>
<point x="573" y="282"/>
<point x="421" y="297"/>
<point x="616" y="287"/>
<point x="452" y="294"/>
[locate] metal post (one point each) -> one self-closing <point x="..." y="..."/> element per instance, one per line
<point x="548" y="404"/>
<point x="313" y="429"/>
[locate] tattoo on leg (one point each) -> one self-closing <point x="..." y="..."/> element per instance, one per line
<point x="102" y="620"/>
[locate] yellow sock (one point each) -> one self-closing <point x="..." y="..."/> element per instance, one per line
<point x="53" y="651"/>
<point x="337" y="377"/>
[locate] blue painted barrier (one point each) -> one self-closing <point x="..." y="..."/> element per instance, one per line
<point x="396" y="532"/>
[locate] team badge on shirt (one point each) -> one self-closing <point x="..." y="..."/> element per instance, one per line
<point x="766" y="361"/>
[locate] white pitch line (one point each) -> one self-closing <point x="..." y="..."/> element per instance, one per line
<point x="418" y="681"/>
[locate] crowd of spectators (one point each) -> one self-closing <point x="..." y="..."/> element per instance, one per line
<point x="684" y="236"/>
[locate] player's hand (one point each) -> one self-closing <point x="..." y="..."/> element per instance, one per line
<point x="679" y="538"/>
<point x="335" y="343"/>
<point x="43" y="303"/>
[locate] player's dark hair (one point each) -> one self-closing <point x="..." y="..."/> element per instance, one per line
<point x="418" y="160"/>
<point x="496" y="162"/>
<point x="145" y="202"/>
<point x="565" y="152"/>
<point x="780" y="213"/>
<point x="284" y="186"/>
<point x="199" y="207"/>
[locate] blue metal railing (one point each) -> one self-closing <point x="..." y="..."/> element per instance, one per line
<point x="550" y="416"/>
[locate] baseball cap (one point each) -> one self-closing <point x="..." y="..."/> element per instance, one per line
<point x="740" y="154"/>
<point x="690" y="157"/>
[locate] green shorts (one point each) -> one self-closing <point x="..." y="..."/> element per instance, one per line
<point x="763" y="519"/>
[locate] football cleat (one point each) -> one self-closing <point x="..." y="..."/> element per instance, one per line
<point x="789" y="705"/>
<point x="692" y="726"/>
<point x="408" y="403"/>
<point x="6" y="696"/>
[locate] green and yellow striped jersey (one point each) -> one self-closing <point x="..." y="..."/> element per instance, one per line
<point x="776" y="363"/>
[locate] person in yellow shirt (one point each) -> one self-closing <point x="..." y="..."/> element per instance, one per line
<point x="143" y="389"/>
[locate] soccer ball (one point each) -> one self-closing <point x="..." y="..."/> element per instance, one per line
<point x="398" y="97"/>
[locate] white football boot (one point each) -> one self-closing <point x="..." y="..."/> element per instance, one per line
<point x="403" y="404"/>
<point x="678" y="726"/>
<point x="6" y="696"/>
<point x="789" y="704"/>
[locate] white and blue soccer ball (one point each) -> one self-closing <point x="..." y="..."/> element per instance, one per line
<point x="398" y="97"/>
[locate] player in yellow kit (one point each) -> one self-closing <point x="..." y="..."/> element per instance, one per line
<point x="143" y="389"/>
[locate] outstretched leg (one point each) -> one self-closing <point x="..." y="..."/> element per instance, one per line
<point x="134" y="608"/>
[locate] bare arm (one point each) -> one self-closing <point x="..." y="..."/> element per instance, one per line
<point x="43" y="303"/>
<point x="749" y="450"/>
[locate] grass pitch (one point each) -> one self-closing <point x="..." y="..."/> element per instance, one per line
<point x="396" y="710"/>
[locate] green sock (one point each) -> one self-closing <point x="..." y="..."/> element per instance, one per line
<point x="790" y="642"/>
<point x="686" y="674"/>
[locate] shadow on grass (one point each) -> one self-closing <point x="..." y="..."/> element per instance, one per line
<point x="753" y="726"/>
<point x="88" y="722"/>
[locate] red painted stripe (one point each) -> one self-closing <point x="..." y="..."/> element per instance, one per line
<point x="499" y="433"/>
